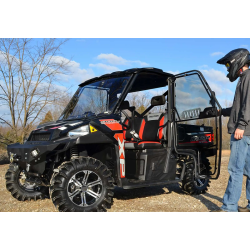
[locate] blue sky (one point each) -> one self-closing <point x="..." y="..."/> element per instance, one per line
<point x="94" y="57"/>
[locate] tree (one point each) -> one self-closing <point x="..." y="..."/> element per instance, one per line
<point x="47" y="118"/>
<point x="59" y="105"/>
<point x="28" y="71"/>
<point x="139" y="100"/>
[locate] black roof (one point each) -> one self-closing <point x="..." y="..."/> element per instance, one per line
<point x="127" y="72"/>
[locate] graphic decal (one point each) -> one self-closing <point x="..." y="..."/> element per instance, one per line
<point x="112" y="124"/>
<point x="205" y="138"/>
<point x="119" y="138"/>
<point x="92" y="129"/>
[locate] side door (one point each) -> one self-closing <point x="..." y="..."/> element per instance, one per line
<point x="196" y="113"/>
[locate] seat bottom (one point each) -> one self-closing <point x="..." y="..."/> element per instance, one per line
<point x="142" y="145"/>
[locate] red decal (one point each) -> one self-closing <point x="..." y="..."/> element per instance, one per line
<point x="142" y="129"/>
<point x="112" y="124"/>
<point x="193" y="142"/>
<point x="161" y="128"/>
<point x="55" y="127"/>
<point x="119" y="138"/>
<point x="124" y="130"/>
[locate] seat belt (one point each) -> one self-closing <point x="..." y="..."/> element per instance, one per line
<point x="132" y="132"/>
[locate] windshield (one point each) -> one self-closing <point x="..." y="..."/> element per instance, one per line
<point x="95" y="98"/>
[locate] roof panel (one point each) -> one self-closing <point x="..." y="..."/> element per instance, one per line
<point x="125" y="72"/>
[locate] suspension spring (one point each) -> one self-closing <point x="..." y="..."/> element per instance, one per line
<point x="74" y="151"/>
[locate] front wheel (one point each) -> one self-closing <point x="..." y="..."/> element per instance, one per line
<point x="83" y="184"/>
<point x="20" y="188"/>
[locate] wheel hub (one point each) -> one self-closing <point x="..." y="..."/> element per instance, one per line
<point x="28" y="186"/>
<point x="85" y="188"/>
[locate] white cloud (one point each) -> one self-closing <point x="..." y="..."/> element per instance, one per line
<point x="198" y="87"/>
<point x="173" y="72"/>
<point x="108" y="68"/>
<point x="204" y="66"/>
<point x="186" y="101"/>
<point x="74" y="69"/>
<point x="244" y="46"/>
<point x="229" y="92"/>
<point x="216" y="88"/>
<point x="215" y="75"/>
<point x="217" y="54"/>
<point x="142" y="64"/>
<point x="156" y="92"/>
<point x="118" y="60"/>
<point x="112" y="59"/>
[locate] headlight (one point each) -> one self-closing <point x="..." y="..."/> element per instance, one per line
<point x="84" y="130"/>
<point x="35" y="153"/>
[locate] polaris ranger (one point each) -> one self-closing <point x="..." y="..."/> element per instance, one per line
<point x="101" y="141"/>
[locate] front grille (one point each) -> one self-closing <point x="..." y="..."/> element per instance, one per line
<point x="40" y="137"/>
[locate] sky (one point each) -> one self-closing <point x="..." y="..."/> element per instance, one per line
<point x="94" y="57"/>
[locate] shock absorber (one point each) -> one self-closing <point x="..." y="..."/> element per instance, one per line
<point x="74" y="151"/>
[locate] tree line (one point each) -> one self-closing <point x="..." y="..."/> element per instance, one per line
<point x="29" y="70"/>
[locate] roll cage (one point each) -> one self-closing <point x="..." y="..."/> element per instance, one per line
<point x="151" y="78"/>
<point x="157" y="78"/>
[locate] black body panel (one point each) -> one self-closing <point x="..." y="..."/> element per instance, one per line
<point x="194" y="135"/>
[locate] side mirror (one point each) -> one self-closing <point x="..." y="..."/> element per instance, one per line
<point x="124" y="105"/>
<point x="158" y="100"/>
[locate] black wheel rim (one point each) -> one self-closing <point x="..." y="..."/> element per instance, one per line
<point x="85" y="188"/>
<point x="24" y="184"/>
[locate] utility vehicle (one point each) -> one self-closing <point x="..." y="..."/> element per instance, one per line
<point x="101" y="140"/>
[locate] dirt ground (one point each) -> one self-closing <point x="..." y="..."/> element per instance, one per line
<point x="167" y="198"/>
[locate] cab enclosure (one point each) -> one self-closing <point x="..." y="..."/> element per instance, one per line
<point x="148" y="127"/>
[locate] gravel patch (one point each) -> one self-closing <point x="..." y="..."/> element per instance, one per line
<point x="167" y="198"/>
<point x="4" y="158"/>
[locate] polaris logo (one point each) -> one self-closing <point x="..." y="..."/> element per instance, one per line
<point x="109" y="121"/>
<point x="202" y="138"/>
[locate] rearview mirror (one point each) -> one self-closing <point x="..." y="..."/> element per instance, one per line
<point x="158" y="100"/>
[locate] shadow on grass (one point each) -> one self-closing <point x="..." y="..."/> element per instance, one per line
<point x="203" y="199"/>
<point x="128" y="194"/>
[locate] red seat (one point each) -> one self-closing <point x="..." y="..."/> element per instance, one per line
<point x="150" y="130"/>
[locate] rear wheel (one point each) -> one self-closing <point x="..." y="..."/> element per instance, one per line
<point x="192" y="185"/>
<point x="83" y="184"/>
<point x="19" y="187"/>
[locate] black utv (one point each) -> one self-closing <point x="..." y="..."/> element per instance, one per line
<point x="103" y="140"/>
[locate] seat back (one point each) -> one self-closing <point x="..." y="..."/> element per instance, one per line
<point x="163" y="127"/>
<point x="137" y="124"/>
<point x="149" y="130"/>
<point x="152" y="127"/>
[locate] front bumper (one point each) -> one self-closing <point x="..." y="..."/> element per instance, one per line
<point x="46" y="152"/>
